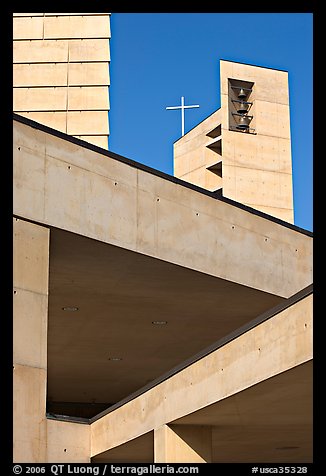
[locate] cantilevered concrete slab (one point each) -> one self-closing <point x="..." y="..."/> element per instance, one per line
<point x="253" y="394"/>
<point x="119" y="294"/>
<point x="269" y="422"/>
<point x="65" y="183"/>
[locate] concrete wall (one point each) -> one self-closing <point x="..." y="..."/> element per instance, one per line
<point x="257" y="169"/>
<point x="61" y="72"/>
<point x="254" y="168"/>
<point x="31" y="251"/>
<point x="192" y="156"/>
<point x="36" y="439"/>
<point x="186" y="444"/>
<point x="59" y="183"/>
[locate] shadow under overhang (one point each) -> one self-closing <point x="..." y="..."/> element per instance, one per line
<point x="137" y="318"/>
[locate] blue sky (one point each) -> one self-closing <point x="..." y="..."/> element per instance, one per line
<point x="158" y="57"/>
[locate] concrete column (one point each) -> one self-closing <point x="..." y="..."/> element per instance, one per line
<point x="30" y="273"/>
<point x="183" y="444"/>
<point x="36" y="439"/>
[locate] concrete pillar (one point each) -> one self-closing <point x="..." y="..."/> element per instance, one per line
<point x="36" y="439"/>
<point x="30" y="273"/>
<point x="183" y="444"/>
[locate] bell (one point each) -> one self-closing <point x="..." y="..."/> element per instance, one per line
<point x="242" y="107"/>
<point x="242" y="94"/>
<point x="243" y="123"/>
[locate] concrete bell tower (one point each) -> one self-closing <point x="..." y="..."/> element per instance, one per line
<point x="243" y="150"/>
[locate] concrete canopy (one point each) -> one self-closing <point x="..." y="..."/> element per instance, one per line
<point x="119" y="293"/>
<point x="251" y="398"/>
<point x="270" y="421"/>
<point x="65" y="183"/>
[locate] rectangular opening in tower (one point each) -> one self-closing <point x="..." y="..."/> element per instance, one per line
<point x="241" y="106"/>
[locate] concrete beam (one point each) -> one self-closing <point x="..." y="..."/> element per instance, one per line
<point x="275" y="346"/>
<point x="60" y="183"/>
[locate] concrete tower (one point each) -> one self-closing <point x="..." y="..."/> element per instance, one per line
<point x="61" y="72"/>
<point x="245" y="155"/>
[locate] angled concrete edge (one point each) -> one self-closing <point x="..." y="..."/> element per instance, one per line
<point x="205" y="352"/>
<point x="275" y="346"/>
<point x="171" y="178"/>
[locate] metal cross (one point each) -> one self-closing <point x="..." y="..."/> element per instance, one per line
<point x="182" y="107"/>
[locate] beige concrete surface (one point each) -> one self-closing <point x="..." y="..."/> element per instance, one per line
<point x="54" y="119"/>
<point x="87" y="123"/>
<point x="61" y="26"/>
<point x="88" y="74"/>
<point x="67" y="442"/>
<point x="75" y="14"/>
<point x="100" y="141"/>
<point x="277" y="345"/>
<point x="89" y="274"/>
<point x="242" y="430"/>
<point x="89" y="50"/>
<point x="138" y="450"/>
<point x="249" y="407"/>
<point x="29" y="421"/>
<point x="30" y="328"/>
<point x="40" y="99"/>
<point x="256" y="169"/>
<point x="283" y="213"/>
<point x="250" y="180"/>
<point x="271" y="84"/>
<point x="192" y="156"/>
<point x="158" y="228"/>
<point x="31" y="251"/>
<point x="28" y="28"/>
<point x="250" y="184"/>
<point x="249" y="433"/>
<point x="58" y="51"/>
<point x="28" y="14"/>
<point x="36" y="439"/>
<point x="89" y="194"/>
<point x="128" y="247"/>
<point x="91" y="26"/>
<point x="183" y="444"/>
<point x="55" y="14"/>
<point x="84" y="98"/>
<point x="271" y="421"/>
<point x="40" y="51"/>
<point x="40" y="74"/>
<point x="61" y="65"/>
